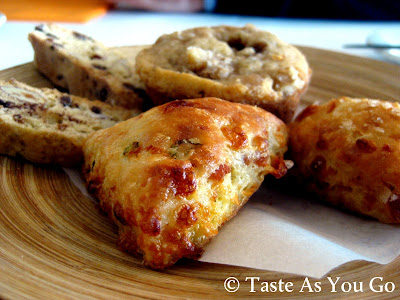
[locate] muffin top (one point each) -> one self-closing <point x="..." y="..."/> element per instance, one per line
<point x="233" y="55"/>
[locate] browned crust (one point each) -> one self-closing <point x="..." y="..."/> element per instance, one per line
<point x="347" y="152"/>
<point x="178" y="169"/>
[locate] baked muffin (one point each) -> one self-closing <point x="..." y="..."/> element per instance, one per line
<point x="172" y="176"/>
<point x="239" y="64"/>
<point x="348" y="152"/>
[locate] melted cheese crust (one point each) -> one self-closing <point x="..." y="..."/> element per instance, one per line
<point x="172" y="176"/>
<point x="348" y="152"/>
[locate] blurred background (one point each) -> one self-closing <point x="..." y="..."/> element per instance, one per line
<point x="328" y="24"/>
<point x="84" y="10"/>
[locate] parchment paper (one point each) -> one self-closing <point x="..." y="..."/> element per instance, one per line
<point x="280" y="232"/>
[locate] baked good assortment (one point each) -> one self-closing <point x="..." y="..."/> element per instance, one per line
<point x="47" y="126"/>
<point x="85" y="67"/>
<point x="171" y="177"/>
<point x="238" y="64"/>
<point x="348" y="153"/>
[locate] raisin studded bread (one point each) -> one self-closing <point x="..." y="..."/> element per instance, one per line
<point x="47" y="126"/>
<point x="85" y="67"/>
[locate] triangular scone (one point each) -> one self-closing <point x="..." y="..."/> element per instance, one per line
<point x="172" y="176"/>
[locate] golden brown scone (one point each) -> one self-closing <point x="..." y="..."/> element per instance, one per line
<point x="47" y="126"/>
<point x="348" y="151"/>
<point x="239" y="64"/>
<point x="172" y="176"/>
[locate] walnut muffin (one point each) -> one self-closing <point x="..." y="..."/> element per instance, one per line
<point x="171" y="177"/>
<point x="348" y="152"/>
<point x="239" y="64"/>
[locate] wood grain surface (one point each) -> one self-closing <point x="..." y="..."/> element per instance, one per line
<point x="55" y="243"/>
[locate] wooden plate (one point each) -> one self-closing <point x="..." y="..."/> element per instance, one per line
<point x="55" y="244"/>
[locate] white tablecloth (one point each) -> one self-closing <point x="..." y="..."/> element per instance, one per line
<point x="121" y="28"/>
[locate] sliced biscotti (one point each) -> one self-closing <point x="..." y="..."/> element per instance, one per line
<point x="47" y="126"/>
<point x="85" y="67"/>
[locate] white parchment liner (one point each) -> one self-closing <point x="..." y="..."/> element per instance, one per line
<point x="279" y="232"/>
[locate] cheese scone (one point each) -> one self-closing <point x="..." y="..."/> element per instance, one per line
<point x="172" y="176"/>
<point x="348" y="152"/>
<point x="238" y="64"/>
